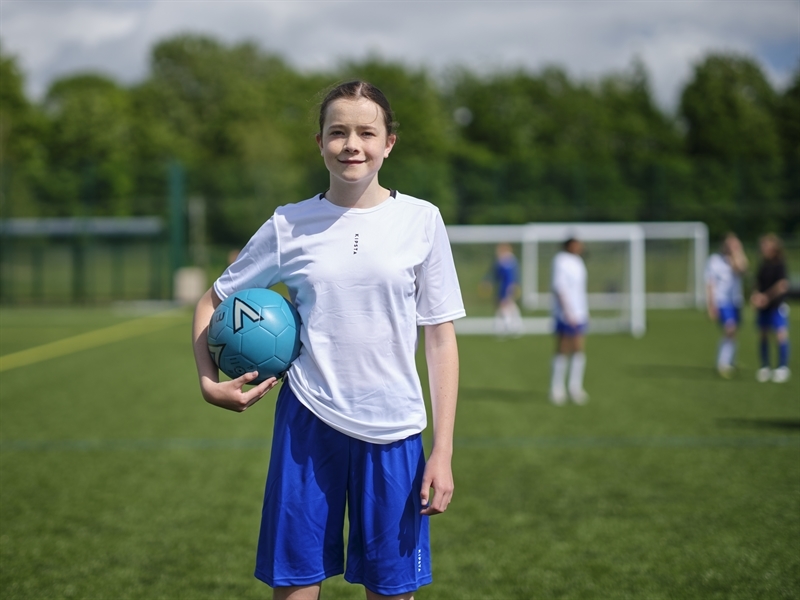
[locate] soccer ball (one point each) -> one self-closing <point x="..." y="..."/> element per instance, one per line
<point x="254" y="330"/>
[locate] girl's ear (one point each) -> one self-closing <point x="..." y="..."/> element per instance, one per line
<point x="318" y="137"/>
<point x="390" y="140"/>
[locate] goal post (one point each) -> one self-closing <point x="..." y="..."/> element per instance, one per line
<point x="696" y="235"/>
<point x="628" y="304"/>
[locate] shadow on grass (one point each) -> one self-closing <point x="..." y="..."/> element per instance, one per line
<point x="760" y="423"/>
<point x="674" y="372"/>
<point x="499" y="395"/>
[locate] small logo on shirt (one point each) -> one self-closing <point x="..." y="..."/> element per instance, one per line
<point x="355" y="245"/>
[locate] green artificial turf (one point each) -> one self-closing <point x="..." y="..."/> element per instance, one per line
<point x="118" y="481"/>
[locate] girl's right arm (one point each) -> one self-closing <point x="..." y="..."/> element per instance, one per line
<point x="225" y="394"/>
<point x="711" y="306"/>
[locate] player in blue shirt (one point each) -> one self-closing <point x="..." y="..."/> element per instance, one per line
<point x="506" y="276"/>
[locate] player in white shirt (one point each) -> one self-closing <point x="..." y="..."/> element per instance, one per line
<point x="366" y="267"/>
<point x="571" y="316"/>
<point x="724" y="297"/>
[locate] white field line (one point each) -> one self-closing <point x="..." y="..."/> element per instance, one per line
<point x="90" y="339"/>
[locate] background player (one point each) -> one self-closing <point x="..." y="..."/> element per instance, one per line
<point x="724" y="297"/>
<point x="365" y="267"/>
<point x="505" y="273"/>
<point x="768" y="298"/>
<point x="571" y="314"/>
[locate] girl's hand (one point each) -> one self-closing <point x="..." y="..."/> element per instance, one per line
<point x="230" y="395"/>
<point x="439" y="476"/>
<point x="759" y="300"/>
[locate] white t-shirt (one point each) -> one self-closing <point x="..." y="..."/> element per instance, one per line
<point x="569" y="285"/>
<point x="726" y="284"/>
<point x="363" y="281"/>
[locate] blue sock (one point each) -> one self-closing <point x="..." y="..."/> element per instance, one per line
<point x="783" y="354"/>
<point x="764" y="351"/>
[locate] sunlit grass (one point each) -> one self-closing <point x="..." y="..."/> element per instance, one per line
<point x="118" y="481"/>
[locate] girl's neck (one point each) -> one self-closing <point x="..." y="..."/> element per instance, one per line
<point x="356" y="195"/>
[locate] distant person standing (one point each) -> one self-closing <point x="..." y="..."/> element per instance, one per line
<point x="724" y="297"/>
<point x="506" y="279"/>
<point x="571" y="315"/>
<point x="772" y="284"/>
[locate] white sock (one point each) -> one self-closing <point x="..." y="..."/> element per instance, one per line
<point x="512" y="318"/>
<point x="576" y="369"/>
<point x="559" y="374"/>
<point x="508" y="319"/>
<point x="727" y="350"/>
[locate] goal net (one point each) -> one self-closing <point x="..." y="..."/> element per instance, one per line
<point x="615" y="260"/>
<point x="676" y="255"/>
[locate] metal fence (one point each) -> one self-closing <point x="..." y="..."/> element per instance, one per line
<point x="83" y="260"/>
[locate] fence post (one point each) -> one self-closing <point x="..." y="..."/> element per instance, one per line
<point x="79" y="266"/>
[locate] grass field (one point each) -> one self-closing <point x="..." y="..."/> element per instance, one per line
<point x="118" y="482"/>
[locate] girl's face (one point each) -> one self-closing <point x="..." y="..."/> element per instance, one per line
<point x="354" y="140"/>
<point x="768" y="249"/>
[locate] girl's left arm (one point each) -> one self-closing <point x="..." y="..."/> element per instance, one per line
<point x="441" y="353"/>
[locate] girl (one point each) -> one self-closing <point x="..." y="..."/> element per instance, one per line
<point x="571" y="317"/>
<point x="504" y="274"/>
<point x="365" y="266"/>
<point x="769" y="297"/>
<point x="724" y="298"/>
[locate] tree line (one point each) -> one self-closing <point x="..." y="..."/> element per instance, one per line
<point x="507" y="147"/>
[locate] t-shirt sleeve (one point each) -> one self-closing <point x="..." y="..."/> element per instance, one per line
<point x="257" y="266"/>
<point x="438" y="294"/>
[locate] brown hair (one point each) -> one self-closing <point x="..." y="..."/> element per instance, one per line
<point x="359" y="89"/>
<point x="776" y="243"/>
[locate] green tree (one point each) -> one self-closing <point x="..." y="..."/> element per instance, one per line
<point x="547" y="146"/>
<point x="89" y="146"/>
<point x="22" y="149"/>
<point x="732" y="139"/>
<point x="646" y="144"/>
<point x="231" y="115"/>
<point x="420" y="161"/>
<point x="788" y="125"/>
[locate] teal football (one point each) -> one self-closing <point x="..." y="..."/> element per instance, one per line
<point x="254" y="330"/>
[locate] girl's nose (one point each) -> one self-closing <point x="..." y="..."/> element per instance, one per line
<point x="350" y="144"/>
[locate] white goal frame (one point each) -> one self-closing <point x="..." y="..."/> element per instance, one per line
<point x="697" y="232"/>
<point x="632" y="304"/>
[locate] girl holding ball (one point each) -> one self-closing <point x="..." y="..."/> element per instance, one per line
<point x="365" y="267"/>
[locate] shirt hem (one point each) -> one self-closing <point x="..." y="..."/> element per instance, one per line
<point x="403" y="434"/>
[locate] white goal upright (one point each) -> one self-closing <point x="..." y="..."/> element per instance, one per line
<point x="616" y="259"/>
<point x="676" y="257"/>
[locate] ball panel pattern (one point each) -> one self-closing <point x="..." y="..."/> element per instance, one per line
<point x="254" y="330"/>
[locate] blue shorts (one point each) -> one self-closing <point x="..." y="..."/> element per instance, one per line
<point x="314" y="473"/>
<point x="774" y="318"/>
<point x="729" y="315"/>
<point x="568" y="330"/>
